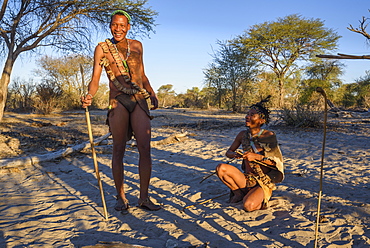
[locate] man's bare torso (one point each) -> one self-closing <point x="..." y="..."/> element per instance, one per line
<point x="134" y="62"/>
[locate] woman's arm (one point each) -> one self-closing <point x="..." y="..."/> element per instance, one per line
<point x="230" y="153"/>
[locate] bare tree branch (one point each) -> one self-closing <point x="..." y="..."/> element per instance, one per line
<point x="343" y="56"/>
<point x="362" y="28"/>
<point x="3" y="8"/>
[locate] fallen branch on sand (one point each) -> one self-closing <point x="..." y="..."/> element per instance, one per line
<point x="33" y="159"/>
<point x="169" y="140"/>
<point x="29" y="160"/>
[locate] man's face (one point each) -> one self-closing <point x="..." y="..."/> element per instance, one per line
<point x="119" y="27"/>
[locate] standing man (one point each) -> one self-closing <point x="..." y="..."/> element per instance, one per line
<point x="128" y="109"/>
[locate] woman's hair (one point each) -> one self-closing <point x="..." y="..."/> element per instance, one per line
<point x="262" y="110"/>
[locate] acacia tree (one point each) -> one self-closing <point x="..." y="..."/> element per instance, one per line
<point x="324" y="74"/>
<point x="214" y="79"/>
<point x="26" y="25"/>
<point x="361" y="87"/>
<point x="267" y="85"/>
<point x="235" y="71"/>
<point x="280" y="45"/>
<point x="194" y="98"/>
<point x="166" y="95"/>
<point x="358" y="93"/>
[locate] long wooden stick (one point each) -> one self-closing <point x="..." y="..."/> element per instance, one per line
<point x="213" y="173"/>
<point x="322" y="92"/>
<point x="206" y="177"/>
<point x="96" y="166"/>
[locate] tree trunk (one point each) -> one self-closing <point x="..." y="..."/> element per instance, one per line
<point x="281" y="92"/>
<point x="219" y="99"/>
<point x="234" y="105"/>
<point x="4" y="82"/>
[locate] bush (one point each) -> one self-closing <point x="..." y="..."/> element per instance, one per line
<point x="302" y="116"/>
<point x="20" y="96"/>
<point x="47" y="95"/>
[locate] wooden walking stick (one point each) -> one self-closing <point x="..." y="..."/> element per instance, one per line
<point x="322" y="92"/>
<point x="95" y="162"/>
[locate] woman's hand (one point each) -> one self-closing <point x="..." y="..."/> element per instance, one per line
<point x="232" y="154"/>
<point x="250" y="156"/>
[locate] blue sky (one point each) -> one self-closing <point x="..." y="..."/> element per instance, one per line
<point x="188" y="30"/>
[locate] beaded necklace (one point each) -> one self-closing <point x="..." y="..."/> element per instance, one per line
<point x="121" y="63"/>
<point x="124" y="61"/>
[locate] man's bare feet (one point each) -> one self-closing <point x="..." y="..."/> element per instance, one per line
<point x="122" y="205"/>
<point x="148" y="205"/>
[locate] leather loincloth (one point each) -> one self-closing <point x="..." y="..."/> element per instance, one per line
<point x="128" y="101"/>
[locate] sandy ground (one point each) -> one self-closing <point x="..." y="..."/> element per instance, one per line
<point x="57" y="203"/>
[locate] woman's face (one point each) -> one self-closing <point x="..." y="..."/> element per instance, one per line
<point x="253" y="119"/>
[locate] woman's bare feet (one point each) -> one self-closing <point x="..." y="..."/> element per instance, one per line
<point x="236" y="198"/>
<point x="237" y="195"/>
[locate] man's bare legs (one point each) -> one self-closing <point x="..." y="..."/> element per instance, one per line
<point x="119" y="123"/>
<point x="140" y="123"/>
<point x="253" y="200"/>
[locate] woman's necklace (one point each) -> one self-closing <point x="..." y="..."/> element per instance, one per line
<point x="257" y="134"/>
<point x="253" y="138"/>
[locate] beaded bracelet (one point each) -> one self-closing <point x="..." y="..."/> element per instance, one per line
<point x="88" y="94"/>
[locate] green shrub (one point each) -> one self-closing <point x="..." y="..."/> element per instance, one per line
<point x="302" y="116"/>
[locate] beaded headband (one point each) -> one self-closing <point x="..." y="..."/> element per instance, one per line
<point x="122" y="12"/>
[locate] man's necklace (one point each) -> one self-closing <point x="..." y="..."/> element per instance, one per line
<point x="127" y="54"/>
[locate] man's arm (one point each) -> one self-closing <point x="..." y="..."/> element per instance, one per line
<point x="145" y="80"/>
<point x="94" y="83"/>
<point x="153" y="96"/>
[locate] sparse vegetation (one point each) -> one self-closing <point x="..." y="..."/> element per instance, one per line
<point x="301" y="116"/>
<point x="47" y="95"/>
